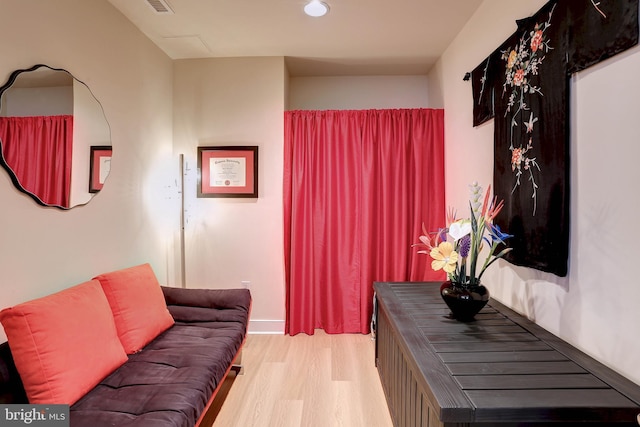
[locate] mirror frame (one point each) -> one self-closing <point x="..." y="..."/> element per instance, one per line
<point x="3" y="163"/>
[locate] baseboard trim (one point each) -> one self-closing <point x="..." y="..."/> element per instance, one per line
<point x="266" y="326"/>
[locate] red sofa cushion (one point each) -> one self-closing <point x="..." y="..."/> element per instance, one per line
<point x="138" y="305"/>
<point x="63" y="344"/>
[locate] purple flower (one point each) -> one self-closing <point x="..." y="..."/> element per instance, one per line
<point x="442" y="234"/>
<point x="465" y="246"/>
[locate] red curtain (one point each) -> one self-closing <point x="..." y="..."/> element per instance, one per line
<point x="39" y="150"/>
<point x="357" y="187"/>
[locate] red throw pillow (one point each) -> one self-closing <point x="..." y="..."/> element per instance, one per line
<point x="63" y="344"/>
<point x="138" y="305"/>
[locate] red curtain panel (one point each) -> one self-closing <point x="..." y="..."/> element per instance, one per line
<point x="39" y="150"/>
<point x="358" y="185"/>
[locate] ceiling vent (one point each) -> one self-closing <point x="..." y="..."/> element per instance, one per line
<point x="160" y="6"/>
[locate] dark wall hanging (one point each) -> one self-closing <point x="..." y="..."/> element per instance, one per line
<point x="524" y="85"/>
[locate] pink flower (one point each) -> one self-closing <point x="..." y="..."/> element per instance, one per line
<point x="536" y="40"/>
<point x="518" y="77"/>
<point x="516" y="158"/>
<point x="451" y="217"/>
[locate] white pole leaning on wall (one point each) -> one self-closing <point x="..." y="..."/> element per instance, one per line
<point x="183" y="276"/>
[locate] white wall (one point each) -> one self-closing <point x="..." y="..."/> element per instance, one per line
<point x="235" y="101"/>
<point x="43" y="250"/>
<point x="594" y="307"/>
<point x="38" y="101"/>
<point x="357" y="92"/>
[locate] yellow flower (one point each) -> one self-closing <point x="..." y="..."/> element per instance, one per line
<point x="513" y="56"/>
<point x="444" y="257"/>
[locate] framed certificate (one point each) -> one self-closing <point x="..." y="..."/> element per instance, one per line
<point x="99" y="166"/>
<point x="228" y="171"/>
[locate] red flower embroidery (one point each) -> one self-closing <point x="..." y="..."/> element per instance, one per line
<point x="518" y="77"/>
<point x="516" y="158"/>
<point x="536" y="40"/>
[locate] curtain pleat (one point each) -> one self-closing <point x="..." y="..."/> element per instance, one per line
<point x="39" y="150"/>
<point x="358" y="185"/>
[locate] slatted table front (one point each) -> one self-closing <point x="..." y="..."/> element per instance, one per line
<point x="500" y="370"/>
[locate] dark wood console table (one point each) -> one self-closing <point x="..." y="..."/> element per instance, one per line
<point x="500" y="370"/>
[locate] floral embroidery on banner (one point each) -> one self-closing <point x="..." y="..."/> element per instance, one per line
<point x="594" y="4"/>
<point x="524" y="61"/>
<point x="483" y="79"/>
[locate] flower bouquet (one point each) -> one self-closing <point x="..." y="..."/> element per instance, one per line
<point x="456" y="249"/>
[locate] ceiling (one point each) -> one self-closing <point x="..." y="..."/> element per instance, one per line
<point x="356" y="37"/>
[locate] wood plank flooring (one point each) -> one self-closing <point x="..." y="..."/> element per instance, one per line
<point x="306" y="381"/>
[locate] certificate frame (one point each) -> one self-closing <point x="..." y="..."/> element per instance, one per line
<point x="99" y="166"/>
<point x="228" y="171"/>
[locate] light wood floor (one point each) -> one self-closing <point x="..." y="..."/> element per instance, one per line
<point x="310" y="381"/>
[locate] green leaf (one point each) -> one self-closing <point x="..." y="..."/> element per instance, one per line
<point x="474" y="222"/>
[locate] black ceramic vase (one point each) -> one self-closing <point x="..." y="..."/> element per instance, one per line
<point x="464" y="301"/>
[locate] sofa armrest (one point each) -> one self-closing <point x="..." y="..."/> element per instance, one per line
<point x="239" y="299"/>
<point x="11" y="388"/>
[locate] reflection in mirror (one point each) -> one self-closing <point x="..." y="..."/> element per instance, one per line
<point x="49" y="122"/>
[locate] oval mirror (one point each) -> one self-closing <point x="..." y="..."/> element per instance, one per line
<point x="55" y="141"/>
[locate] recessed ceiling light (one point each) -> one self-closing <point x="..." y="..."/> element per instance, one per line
<point x="316" y="8"/>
